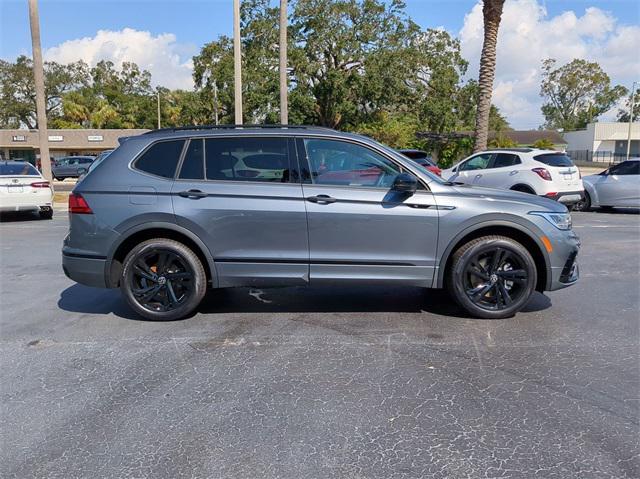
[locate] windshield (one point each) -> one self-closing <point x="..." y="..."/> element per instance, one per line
<point x="554" y="159"/>
<point x="18" y="169"/>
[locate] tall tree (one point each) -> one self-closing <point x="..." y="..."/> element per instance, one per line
<point x="576" y="93"/>
<point x="492" y="14"/>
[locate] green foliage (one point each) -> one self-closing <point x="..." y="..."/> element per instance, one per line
<point x="544" y="144"/>
<point x="396" y="132"/>
<point x="453" y="150"/>
<point x="623" y="113"/>
<point x="502" y="141"/>
<point x="576" y="93"/>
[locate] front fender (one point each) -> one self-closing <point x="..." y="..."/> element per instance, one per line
<point x="488" y="221"/>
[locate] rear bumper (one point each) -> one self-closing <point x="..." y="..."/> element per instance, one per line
<point x="567" y="197"/>
<point x="84" y="269"/>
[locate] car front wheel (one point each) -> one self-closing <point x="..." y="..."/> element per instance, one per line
<point x="492" y="277"/>
<point x="163" y="280"/>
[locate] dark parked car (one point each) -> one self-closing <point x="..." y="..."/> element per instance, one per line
<point x="423" y="159"/>
<point x="172" y="212"/>
<point x="71" y="167"/>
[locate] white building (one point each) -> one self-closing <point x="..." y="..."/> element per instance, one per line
<point x="604" y="141"/>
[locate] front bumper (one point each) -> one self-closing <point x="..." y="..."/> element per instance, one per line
<point x="85" y="269"/>
<point x="565" y="270"/>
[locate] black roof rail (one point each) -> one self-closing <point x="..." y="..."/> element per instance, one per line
<point x="232" y="127"/>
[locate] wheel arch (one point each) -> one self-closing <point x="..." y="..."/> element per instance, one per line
<point x="523" y="187"/>
<point x="514" y="231"/>
<point x="145" y="231"/>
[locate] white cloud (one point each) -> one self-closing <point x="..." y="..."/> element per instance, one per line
<point x="169" y="62"/>
<point x="528" y="35"/>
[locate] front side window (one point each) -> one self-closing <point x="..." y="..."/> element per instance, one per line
<point x="161" y="159"/>
<point x="334" y="162"/>
<point x="479" y="162"/>
<point x="626" y="168"/>
<point x="247" y="159"/>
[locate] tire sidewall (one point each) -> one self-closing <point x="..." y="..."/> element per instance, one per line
<point x="458" y="278"/>
<point x="186" y="255"/>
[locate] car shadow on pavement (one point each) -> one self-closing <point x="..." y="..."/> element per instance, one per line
<point x="14" y="217"/>
<point x="325" y="299"/>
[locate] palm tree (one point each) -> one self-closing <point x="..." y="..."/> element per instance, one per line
<point x="492" y="13"/>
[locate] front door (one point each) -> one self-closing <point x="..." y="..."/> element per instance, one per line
<point x="359" y="229"/>
<point x="471" y="171"/>
<point x="621" y="186"/>
<point x="238" y="196"/>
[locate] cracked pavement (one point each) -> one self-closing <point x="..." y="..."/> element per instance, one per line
<point x="357" y="382"/>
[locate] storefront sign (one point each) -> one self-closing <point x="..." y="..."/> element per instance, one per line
<point x="95" y="138"/>
<point x="19" y="138"/>
<point x="56" y="138"/>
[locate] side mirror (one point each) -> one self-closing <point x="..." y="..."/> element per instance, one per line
<point x="405" y="183"/>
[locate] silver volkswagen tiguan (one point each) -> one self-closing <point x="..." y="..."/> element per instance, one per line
<point x="172" y="212"/>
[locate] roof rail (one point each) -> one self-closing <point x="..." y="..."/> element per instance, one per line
<point x="232" y="127"/>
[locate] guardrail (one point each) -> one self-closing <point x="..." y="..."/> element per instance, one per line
<point x="596" y="157"/>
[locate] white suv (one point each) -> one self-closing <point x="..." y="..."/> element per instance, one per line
<point x="540" y="172"/>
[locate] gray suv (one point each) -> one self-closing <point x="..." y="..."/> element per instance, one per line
<point x="172" y="212"/>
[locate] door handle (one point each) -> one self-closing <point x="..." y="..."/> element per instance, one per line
<point x="478" y="176"/>
<point x="514" y="172"/>
<point x="321" y="199"/>
<point x="193" y="194"/>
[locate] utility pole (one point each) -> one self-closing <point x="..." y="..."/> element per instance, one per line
<point x="633" y="98"/>
<point x="38" y="76"/>
<point x="237" y="62"/>
<point x="284" y="106"/>
<point x="158" y="95"/>
<point x="215" y="101"/>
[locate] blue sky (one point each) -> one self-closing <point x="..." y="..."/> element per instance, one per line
<point x="162" y="36"/>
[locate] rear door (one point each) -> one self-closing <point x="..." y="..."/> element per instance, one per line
<point x="241" y="196"/>
<point x="564" y="174"/>
<point x="502" y="171"/>
<point x="360" y="229"/>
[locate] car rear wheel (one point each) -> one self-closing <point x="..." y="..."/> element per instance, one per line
<point x="163" y="280"/>
<point x="46" y="213"/>
<point x="492" y="277"/>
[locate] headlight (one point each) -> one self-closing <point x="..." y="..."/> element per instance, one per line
<point x="562" y="221"/>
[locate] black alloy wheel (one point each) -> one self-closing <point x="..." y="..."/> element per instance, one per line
<point x="163" y="279"/>
<point x="492" y="277"/>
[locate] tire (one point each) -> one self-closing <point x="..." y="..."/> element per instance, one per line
<point x="46" y="214"/>
<point x="486" y="291"/>
<point x="163" y="280"/>
<point x="584" y="204"/>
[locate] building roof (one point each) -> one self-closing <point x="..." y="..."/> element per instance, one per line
<point x="81" y="139"/>
<point x="529" y="137"/>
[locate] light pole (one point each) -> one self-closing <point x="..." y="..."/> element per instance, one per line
<point x="158" y="97"/>
<point x="38" y="76"/>
<point x="284" y="107"/>
<point x="237" y="62"/>
<point x="633" y="98"/>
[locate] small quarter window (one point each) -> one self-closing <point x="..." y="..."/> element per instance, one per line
<point x="161" y="159"/>
<point x="193" y="164"/>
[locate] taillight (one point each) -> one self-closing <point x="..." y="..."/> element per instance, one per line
<point x="78" y="205"/>
<point x="542" y="173"/>
<point x="40" y="184"/>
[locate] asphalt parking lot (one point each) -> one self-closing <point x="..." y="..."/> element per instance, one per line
<point x="320" y="382"/>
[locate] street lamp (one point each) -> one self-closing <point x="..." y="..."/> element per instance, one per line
<point x="633" y="98"/>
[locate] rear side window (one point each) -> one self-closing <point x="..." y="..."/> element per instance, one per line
<point x="554" y="159"/>
<point x="18" y="169"/>
<point x="247" y="159"/>
<point x="161" y="159"/>
<point x="193" y="164"/>
<point x="505" y="159"/>
<point x="626" y="168"/>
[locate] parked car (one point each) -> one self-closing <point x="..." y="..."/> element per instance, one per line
<point x="23" y="188"/>
<point x="423" y="159"/>
<point x="71" y="167"/>
<point x="551" y="174"/>
<point x="171" y="212"/>
<point x="617" y="186"/>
